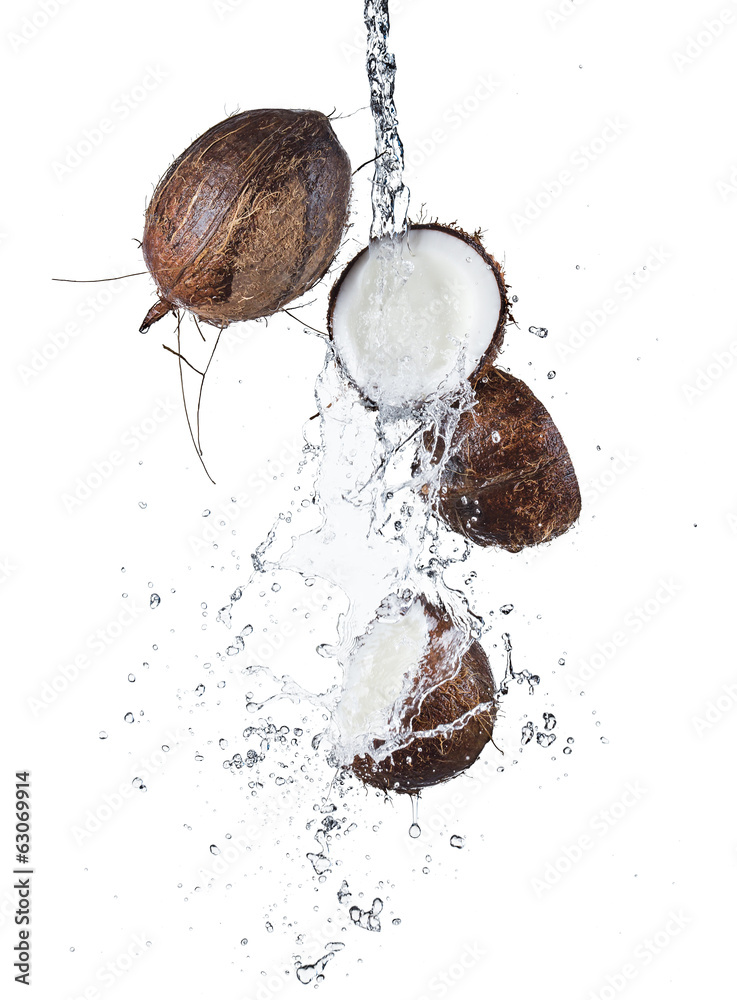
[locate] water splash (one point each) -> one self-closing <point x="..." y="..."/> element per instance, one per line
<point x="389" y="194"/>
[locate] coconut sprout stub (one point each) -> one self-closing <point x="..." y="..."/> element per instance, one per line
<point x="412" y="318"/>
<point x="418" y="702"/>
<point x="509" y="480"/>
<point x="248" y="218"/>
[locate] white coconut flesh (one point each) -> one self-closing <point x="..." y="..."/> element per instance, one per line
<point x="377" y="672"/>
<point x="412" y="318"/>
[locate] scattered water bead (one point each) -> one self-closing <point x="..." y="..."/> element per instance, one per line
<point x="496" y="437"/>
<point x="344" y="892"/>
<point x="367" y="919"/>
<point x="551" y="374"/>
<point x="539" y="331"/>
<point x="603" y="739"/>
<point x="154" y="601"/>
<point x="528" y="732"/>
<point x="457" y="841"/>
<point x="269" y="927"/>
<point x="276" y="587"/>
<point x="142" y="505"/>
<point x="314" y="973"/>
<point x="128" y="717"/>
<point x="206" y="512"/>
<point x="224" y="616"/>
<point x="550" y="720"/>
<point x="222" y="744"/>
<point x="567" y="750"/>
<point x="214" y="849"/>
<point x="320" y="863"/>
<point x="237" y="594"/>
<point x="244" y="941"/>
<point x="506" y="608"/>
<point x="199" y="690"/>
<point x="103" y="734"/>
<point x="415" y="831"/>
<point x="131" y="678"/>
<point x="546" y="739"/>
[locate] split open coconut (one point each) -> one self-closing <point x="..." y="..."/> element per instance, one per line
<point x="509" y="480"/>
<point x="411" y="319"/>
<point x="418" y="702"/>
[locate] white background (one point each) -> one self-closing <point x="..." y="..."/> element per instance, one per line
<point x="644" y="905"/>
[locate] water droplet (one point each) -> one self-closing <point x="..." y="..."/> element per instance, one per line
<point x="506" y="608"/>
<point x="200" y="689"/>
<point x="551" y="374"/>
<point x="269" y="927"/>
<point x="128" y="717"/>
<point x="222" y="744"/>
<point x="206" y="512"/>
<point x="103" y="734"/>
<point x="214" y="849"/>
<point x="603" y="739"/>
<point x="550" y="720"/>
<point x="456" y="841"/>
<point x="496" y="437"/>
<point x="276" y="587"/>
<point x="539" y="331"/>
<point x="154" y="601"/>
<point x="131" y="678"/>
<point x="527" y="733"/>
<point x="546" y="739"/>
<point x="244" y="941"/>
<point x="142" y="505"/>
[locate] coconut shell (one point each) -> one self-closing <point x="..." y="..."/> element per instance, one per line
<point x="496" y="334"/>
<point x="509" y="480"/>
<point x="249" y="216"/>
<point x="429" y="760"/>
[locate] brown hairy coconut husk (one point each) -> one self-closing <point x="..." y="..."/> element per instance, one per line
<point x="457" y="693"/>
<point x="401" y="344"/>
<point x="509" y="480"/>
<point x="249" y="216"/>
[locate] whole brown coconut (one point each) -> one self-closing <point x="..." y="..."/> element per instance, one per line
<point x="509" y="480"/>
<point x="464" y="703"/>
<point x="249" y="216"/>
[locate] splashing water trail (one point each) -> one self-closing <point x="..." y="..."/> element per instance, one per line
<point x="389" y="194"/>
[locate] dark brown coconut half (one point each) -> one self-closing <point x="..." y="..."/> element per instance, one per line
<point x="428" y="689"/>
<point x="412" y="319"/>
<point x="509" y="480"/>
<point x="249" y="216"/>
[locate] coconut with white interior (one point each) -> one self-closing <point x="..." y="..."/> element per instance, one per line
<point x="418" y="702"/>
<point x="412" y="318"/>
